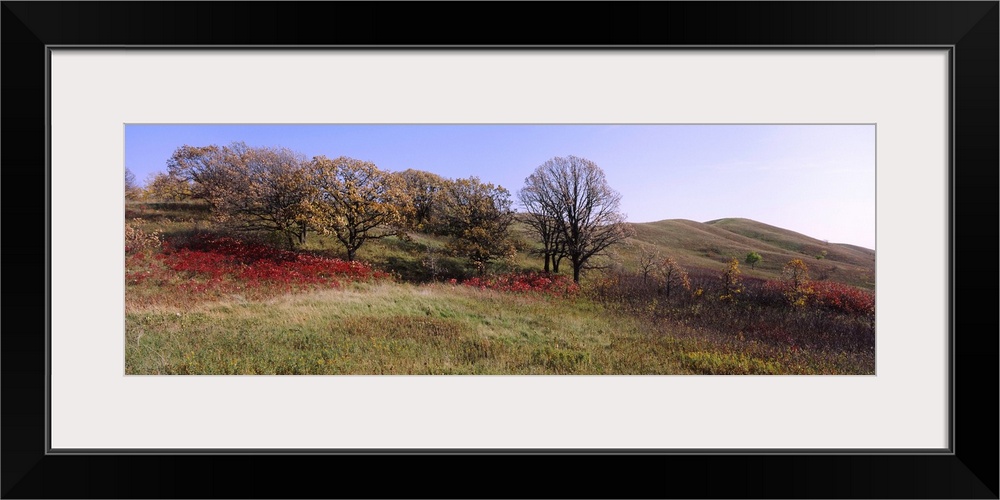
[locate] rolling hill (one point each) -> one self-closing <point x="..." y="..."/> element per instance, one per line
<point x="709" y="245"/>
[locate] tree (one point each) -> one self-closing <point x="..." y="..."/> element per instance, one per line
<point x="477" y="216"/>
<point x="165" y="187"/>
<point x="202" y="167"/>
<point x="422" y="189"/>
<point x="264" y="189"/>
<point x="673" y="276"/>
<point x="132" y="190"/>
<point x="796" y="275"/>
<point x="649" y="261"/>
<point x="542" y="218"/>
<point x="732" y="282"/>
<point x="248" y="188"/>
<point x="573" y="194"/>
<point x="355" y="201"/>
<point x="752" y="259"/>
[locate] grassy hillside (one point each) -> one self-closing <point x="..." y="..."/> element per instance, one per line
<point x="200" y="300"/>
<point x="709" y="245"/>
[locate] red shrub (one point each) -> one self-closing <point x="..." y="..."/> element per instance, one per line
<point x="843" y="298"/>
<point x="218" y="264"/>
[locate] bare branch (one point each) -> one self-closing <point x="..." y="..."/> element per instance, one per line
<point x="572" y="208"/>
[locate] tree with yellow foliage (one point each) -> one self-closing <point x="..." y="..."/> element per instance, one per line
<point x="796" y="275"/>
<point x="165" y="187"/>
<point x="355" y="201"/>
<point x="732" y="281"/>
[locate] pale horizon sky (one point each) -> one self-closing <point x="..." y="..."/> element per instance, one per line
<point x="818" y="180"/>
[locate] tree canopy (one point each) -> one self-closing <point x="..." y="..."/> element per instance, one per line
<point x="355" y="201"/>
<point x="423" y="191"/>
<point x="165" y="187"/>
<point x="248" y="188"/>
<point x="569" y="199"/>
<point x="477" y="216"/>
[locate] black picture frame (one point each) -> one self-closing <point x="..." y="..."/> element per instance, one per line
<point x="968" y="470"/>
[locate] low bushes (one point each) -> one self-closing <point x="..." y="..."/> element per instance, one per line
<point x="215" y="265"/>
<point x="817" y="314"/>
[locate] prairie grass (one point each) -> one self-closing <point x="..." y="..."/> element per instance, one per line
<point x="250" y="306"/>
<point x="394" y="329"/>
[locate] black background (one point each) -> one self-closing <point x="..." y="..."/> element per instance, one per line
<point x="971" y="472"/>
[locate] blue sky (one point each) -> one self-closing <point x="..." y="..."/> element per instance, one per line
<point x="818" y="180"/>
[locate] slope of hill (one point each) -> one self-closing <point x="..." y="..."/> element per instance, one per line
<point x="796" y="242"/>
<point x="711" y="244"/>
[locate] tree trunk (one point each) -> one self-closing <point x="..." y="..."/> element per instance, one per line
<point x="576" y="272"/>
<point x="547" y="262"/>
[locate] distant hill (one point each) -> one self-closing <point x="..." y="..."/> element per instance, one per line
<point x="709" y="245"/>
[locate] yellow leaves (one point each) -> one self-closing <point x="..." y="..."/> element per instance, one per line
<point x="731" y="281"/>
<point x="354" y="199"/>
<point x="166" y="187"/>
<point x="798" y="290"/>
<point x="796" y="267"/>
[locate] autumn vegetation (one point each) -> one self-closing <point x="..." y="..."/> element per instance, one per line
<point x="258" y="260"/>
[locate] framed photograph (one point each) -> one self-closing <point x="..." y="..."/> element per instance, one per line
<point x="881" y="112"/>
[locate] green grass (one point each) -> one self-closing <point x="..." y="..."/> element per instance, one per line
<point x="439" y="329"/>
<point x="395" y="329"/>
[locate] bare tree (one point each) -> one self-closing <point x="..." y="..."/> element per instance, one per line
<point x="541" y="217"/>
<point x="132" y="190"/>
<point x="649" y="261"/>
<point x="585" y="210"/>
<point x="673" y="276"/>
